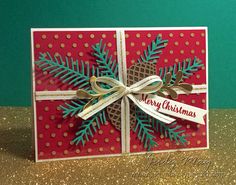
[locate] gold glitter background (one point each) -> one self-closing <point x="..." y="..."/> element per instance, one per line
<point x="213" y="166"/>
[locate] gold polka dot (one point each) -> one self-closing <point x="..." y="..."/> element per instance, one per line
<point x="138" y="35"/>
<point x="94" y="123"/>
<point x="192" y="34"/>
<point x="171" y="51"/>
<point x="193" y="134"/>
<point x="181" y="34"/>
<point x="126" y="35"/>
<point x="112" y="131"/>
<point x="193" y="101"/>
<point x="66" y="152"/>
<point x="39" y="82"/>
<point x="182" y="51"/>
<point x="176" y="60"/>
<point x="86" y="45"/>
<point x="149" y="35"/>
<point x="69" y="54"/>
<point x="68" y="36"/>
<point x="47" y="126"/>
<point x="132" y="44"/>
<point x="54" y="153"/>
<point x="203" y="67"/>
<point x="112" y="148"/>
<point x="167" y="144"/>
<point x="202" y="34"/>
<point x="41" y="153"/>
<point x="58" y="108"/>
<point x="106" y="140"/>
<point x="71" y="142"/>
<point x="104" y="35"/>
<point x="57" y="54"/>
<point x="143" y="44"/>
<point x="59" y="143"/>
<point x="47" y="144"/>
<point x="118" y="139"/>
<point x="165" y="60"/>
<point x="198" y="142"/>
<point x="138" y="52"/>
<point x="134" y="146"/>
<point x="56" y="36"/>
<point x="171" y="35"/>
<point x="74" y="45"/>
<point x="204" y="133"/>
<point x="65" y="134"/>
<point x="50" y="45"/>
<point x="52" y="117"/>
<point x="114" y="36"/>
<point x="40" y="118"/>
<point x="132" y="61"/>
<point x="161" y="136"/>
<point x="81" y="54"/>
<point x="115" y="53"/>
<point x="40" y="135"/>
<point x="198" y="125"/>
<point x="188" y="143"/>
<point x="62" y="45"/>
<point x="46" y="108"/>
<point x="100" y="132"/>
<point x="160" y="35"/>
<point x="44" y="36"/>
<point x="45" y="72"/>
<point x="176" y="43"/>
<point x="89" y="150"/>
<point x="53" y="135"/>
<point x="77" y="151"/>
<point x="106" y="123"/>
<point x="80" y="36"/>
<point x="203" y="101"/>
<point x="100" y="149"/>
<point x="188" y="126"/>
<point x="127" y="52"/>
<point x="51" y="81"/>
<point x="197" y="43"/>
<point x="91" y="36"/>
<point x="109" y="44"/>
<point x="198" y="76"/>
<point x="192" y="51"/>
<point x="37" y="46"/>
<point x="187" y="43"/>
<point x="203" y="51"/>
<point x="71" y="125"/>
<point x="95" y="141"/>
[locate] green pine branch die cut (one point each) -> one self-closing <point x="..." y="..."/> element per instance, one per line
<point x="108" y="66"/>
<point x="188" y="68"/>
<point x="153" y="51"/>
<point x="171" y="131"/>
<point x="70" y="71"/>
<point x="144" y="130"/>
<point x="89" y="127"/>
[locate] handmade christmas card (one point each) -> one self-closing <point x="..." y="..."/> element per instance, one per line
<point x="114" y="91"/>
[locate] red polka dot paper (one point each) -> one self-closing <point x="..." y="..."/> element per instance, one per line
<point x="54" y="134"/>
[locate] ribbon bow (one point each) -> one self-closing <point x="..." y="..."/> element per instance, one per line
<point x="118" y="90"/>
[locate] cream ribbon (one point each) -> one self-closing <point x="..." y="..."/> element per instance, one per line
<point x="118" y="90"/>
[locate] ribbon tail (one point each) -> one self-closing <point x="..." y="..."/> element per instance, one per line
<point x="151" y="112"/>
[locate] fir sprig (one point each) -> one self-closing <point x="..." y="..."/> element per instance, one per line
<point x="171" y="131"/>
<point x="188" y="67"/>
<point x="144" y="130"/>
<point x="107" y="65"/>
<point x="69" y="70"/>
<point x="153" y="50"/>
<point x="89" y="127"/>
<point x="73" y="108"/>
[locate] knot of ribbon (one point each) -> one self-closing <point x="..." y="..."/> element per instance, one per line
<point x="118" y="90"/>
